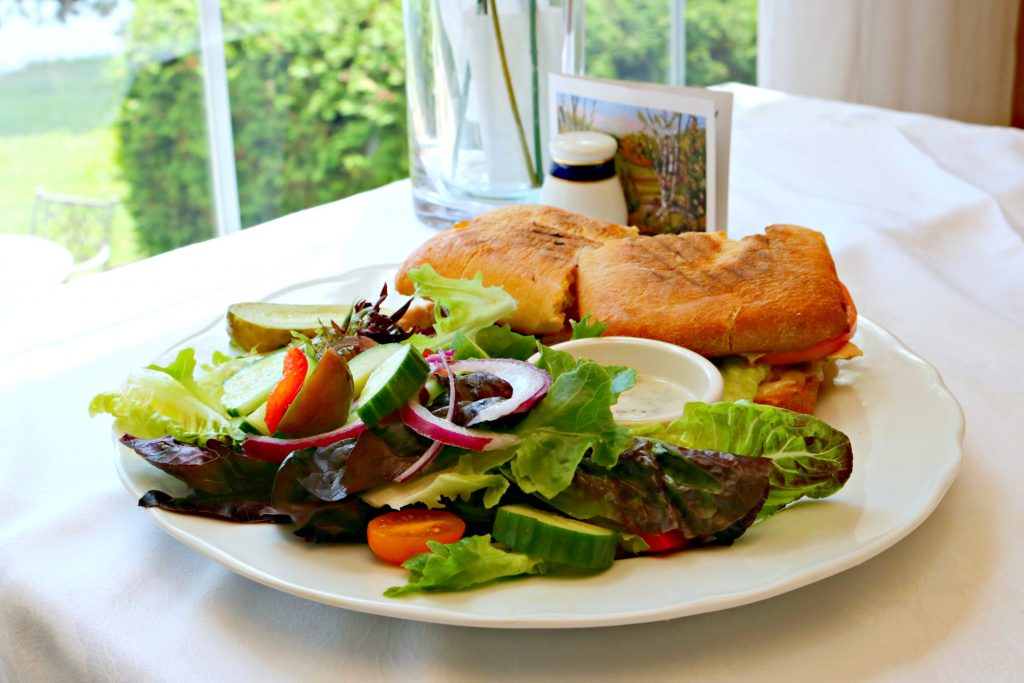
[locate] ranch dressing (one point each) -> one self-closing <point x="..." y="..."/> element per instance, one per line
<point x="650" y="396"/>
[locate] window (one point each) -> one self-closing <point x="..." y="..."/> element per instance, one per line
<point x="62" y="87"/>
<point x="198" y="117"/>
<point x="647" y="41"/>
<point x="205" y="116"/>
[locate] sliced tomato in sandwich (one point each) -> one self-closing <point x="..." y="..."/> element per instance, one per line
<point x="821" y="349"/>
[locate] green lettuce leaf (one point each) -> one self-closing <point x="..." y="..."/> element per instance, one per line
<point x="557" y="363"/>
<point x="152" y="403"/>
<point x="462" y="305"/>
<point x="465" y="347"/>
<point x="573" y="419"/>
<point x="429" y="490"/>
<point x="584" y="329"/>
<point x="623" y="378"/>
<point x="181" y="368"/>
<point x="208" y="387"/>
<point x="631" y="543"/>
<point x="809" y="457"/>
<point x="469" y="474"/>
<point x="493" y="342"/>
<point x="740" y="378"/>
<point x="469" y="562"/>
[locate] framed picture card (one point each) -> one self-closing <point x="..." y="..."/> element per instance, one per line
<point x="673" y="155"/>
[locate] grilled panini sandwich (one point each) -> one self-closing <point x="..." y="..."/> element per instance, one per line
<point x="773" y="301"/>
<point x="764" y="294"/>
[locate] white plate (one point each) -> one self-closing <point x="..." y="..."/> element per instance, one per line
<point x="906" y="430"/>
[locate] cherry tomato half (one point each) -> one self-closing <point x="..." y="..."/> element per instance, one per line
<point x="820" y="349"/>
<point x="396" y="536"/>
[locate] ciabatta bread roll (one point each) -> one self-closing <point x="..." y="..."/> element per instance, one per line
<point x="529" y="250"/>
<point x="764" y="293"/>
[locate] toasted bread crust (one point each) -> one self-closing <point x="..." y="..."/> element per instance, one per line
<point x="714" y="295"/>
<point x="529" y="250"/>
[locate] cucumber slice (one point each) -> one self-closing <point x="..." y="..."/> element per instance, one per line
<point x="363" y="365"/>
<point x="555" y="538"/>
<point x="434" y="389"/>
<point x="256" y="421"/>
<point x="245" y="390"/>
<point x="392" y="384"/>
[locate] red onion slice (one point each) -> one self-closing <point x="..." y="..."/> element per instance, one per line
<point x="435" y="448"/>
<point x="272" y="449"/>
<point x="440" y="358"/>
<point x="422" y="421"/>
<point x="452" y="397"/>
<point x="529" y="385"/>
<point x="424" y="460"/>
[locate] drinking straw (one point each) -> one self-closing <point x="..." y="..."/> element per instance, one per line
<point x="534" y="179"/>
<point x="535" y="83"/>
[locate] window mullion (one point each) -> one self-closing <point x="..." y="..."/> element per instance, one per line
<point x="218" y="118"/>
<point x="677" y="44"/>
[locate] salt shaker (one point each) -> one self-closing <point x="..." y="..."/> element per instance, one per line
<point x="582" y="176"/>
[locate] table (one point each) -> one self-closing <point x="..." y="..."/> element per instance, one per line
<point x="925" y="218"/>
<point x="30" y="262"/>
<point x="33" y="260"/>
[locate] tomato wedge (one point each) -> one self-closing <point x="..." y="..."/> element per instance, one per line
<point x="820" y="349"/>
<point x="396" y="536"/>
<point x="295" y="366"/>
<point x="664" y="541"/>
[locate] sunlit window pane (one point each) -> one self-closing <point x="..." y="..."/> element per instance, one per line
<point x="85" y="88"/>
<point x="630" y="40"/>
<point x="317" y="100"/>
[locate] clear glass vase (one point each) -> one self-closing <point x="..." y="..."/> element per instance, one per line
<point x="477" y="84"/>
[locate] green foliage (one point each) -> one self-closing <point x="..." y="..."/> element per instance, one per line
<point x="318" y="102"/>
<point x="42" y="94"/>
<point x="163" y="155"/>
<point x="317" y="109"/>
<point x="629" y="40"/>
<point x="77" y="164"/>
<point x="721" y="41"/>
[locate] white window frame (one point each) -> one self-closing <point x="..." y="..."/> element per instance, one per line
<point x="677" y="44"/>
<point x="220" y="136"/>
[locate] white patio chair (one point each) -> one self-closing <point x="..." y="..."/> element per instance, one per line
<point x="82" y="225"/>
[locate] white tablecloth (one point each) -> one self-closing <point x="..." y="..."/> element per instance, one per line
<point x="28" y="264"/>
<point x="925" y="218"/>
<point x="32" y="260"/>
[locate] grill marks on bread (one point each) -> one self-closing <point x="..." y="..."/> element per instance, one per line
<point x="773" y="292"/>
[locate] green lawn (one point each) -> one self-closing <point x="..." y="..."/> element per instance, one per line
<point x="76" y="96"/>
<point x="79" y="164"/>
<point x="56" y="134"/>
